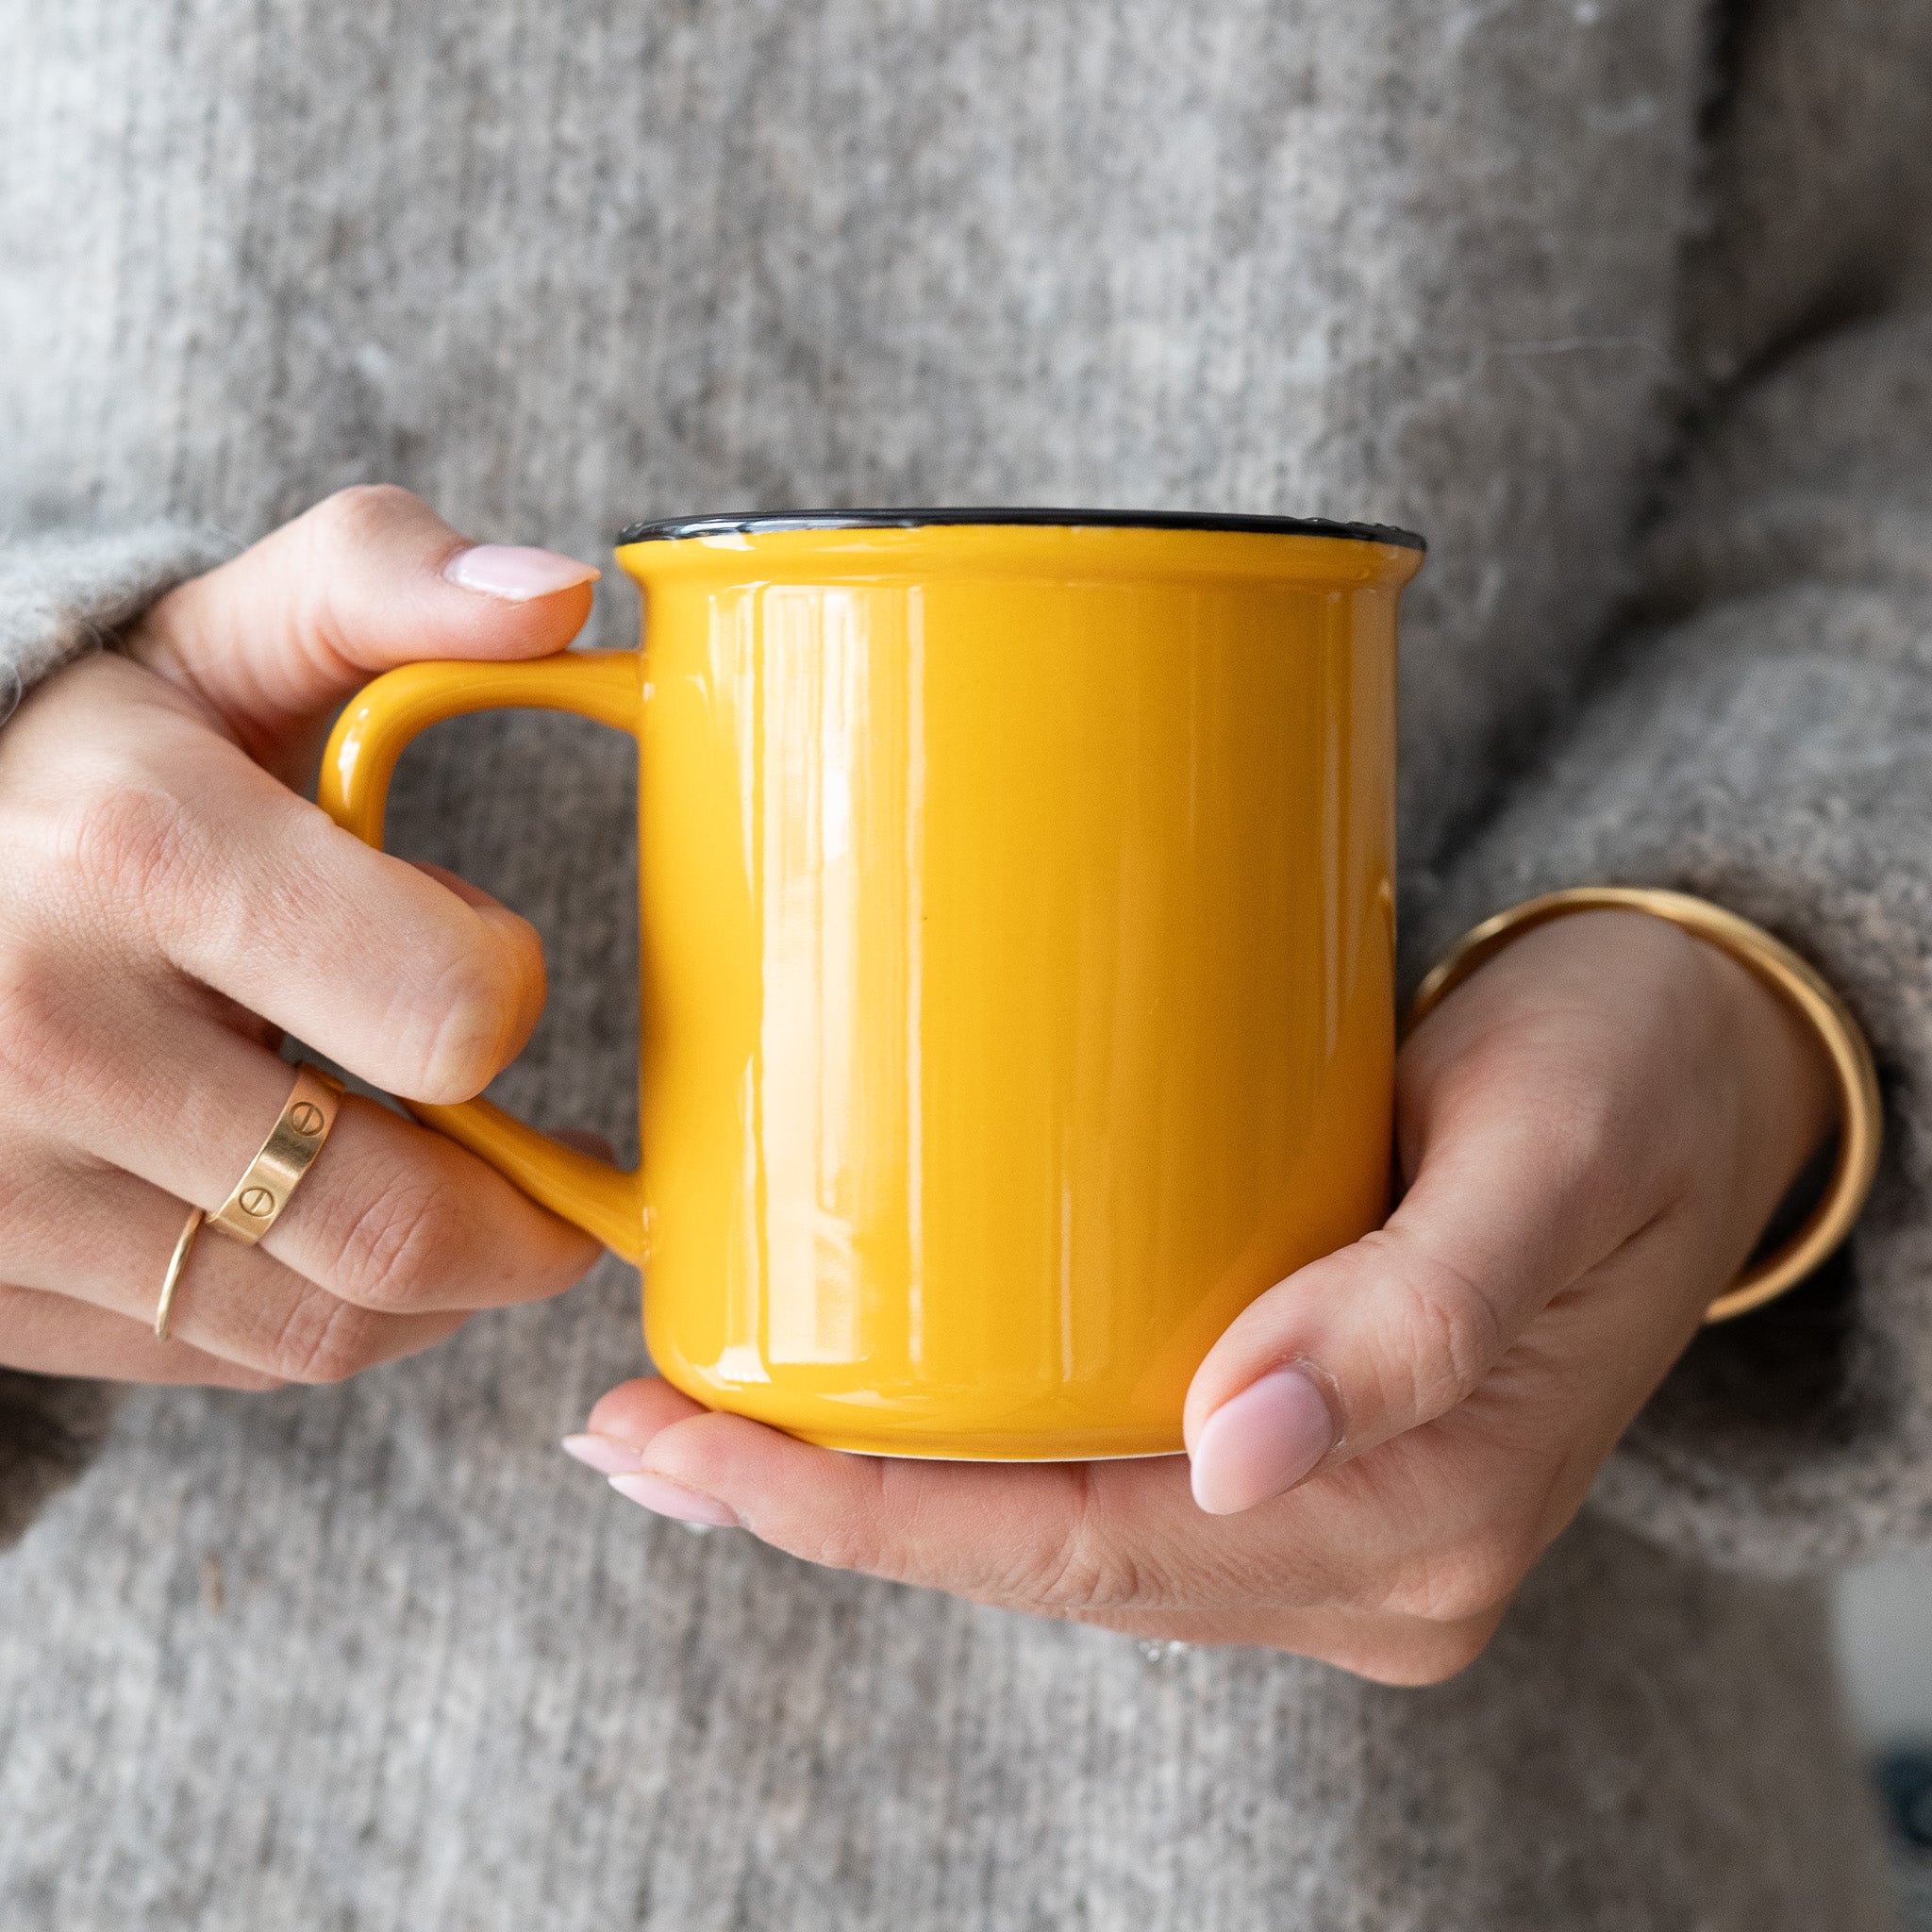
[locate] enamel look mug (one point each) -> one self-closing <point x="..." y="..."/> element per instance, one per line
<point x="1018" y="952"/>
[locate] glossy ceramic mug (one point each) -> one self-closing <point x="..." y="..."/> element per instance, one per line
<point x="1018" y="952"/>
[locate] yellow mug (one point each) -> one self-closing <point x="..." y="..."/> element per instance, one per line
<point x="1018" y="939"/>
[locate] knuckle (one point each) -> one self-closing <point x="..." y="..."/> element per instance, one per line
<point x="339" y="536"/>
<point x="398" y="1245"/>
<point x="856" y="1536"/>
<point x="351" y="520"/>
<point x="1087" y="1578"/>
<point x="124" y="834"/>
<point x="853" y="1545"/>
<point x="1586" y="1132"/>
<point x="39" y="1031"/>
<point x="1472" y="1579"/>
<point x="1443" y="1330"/>
<point x="1088" y="1573"/>
<point x="324" y="1340"/>
<point x="32" y="1213"/>
<point x="461" y="1026"/>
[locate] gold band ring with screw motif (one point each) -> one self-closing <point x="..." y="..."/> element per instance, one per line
<point x="1861" y="1113"/>
<point x="183" y="1248"/>
<point x="286" y="1155"/>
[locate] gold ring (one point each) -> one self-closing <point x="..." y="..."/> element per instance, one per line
<point x="1861" y="1110"/>
<point x="183" y="1248"/>
<point x="286" y="1155"/>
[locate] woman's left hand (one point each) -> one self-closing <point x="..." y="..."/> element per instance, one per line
<point x="1594" y="1130"/>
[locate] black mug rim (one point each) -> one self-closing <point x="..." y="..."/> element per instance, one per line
<point x="756" y="523"/>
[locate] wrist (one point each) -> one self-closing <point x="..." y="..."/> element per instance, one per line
<point x="1767" y="1069"/>
<point x="1786" y="1098"/>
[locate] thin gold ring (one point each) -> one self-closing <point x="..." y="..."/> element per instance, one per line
<point x="177" y="1261"/>
<point x="257" y="1201"/>
<point x="1861" y="1111"/>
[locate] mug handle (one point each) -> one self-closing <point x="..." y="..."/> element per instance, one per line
<point x="369" y="737"/>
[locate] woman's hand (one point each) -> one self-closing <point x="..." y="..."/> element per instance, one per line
<point x="1594" y="1130"/>
<point x="168" y="904"/>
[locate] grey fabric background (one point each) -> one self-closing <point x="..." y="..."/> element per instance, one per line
<point x="1617" y="300"/>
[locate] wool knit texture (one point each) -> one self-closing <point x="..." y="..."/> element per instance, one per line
<point x="1621" y="302"/>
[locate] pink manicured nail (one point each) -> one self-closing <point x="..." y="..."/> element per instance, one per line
<point x="1260" y="1441"/>
<point x="604" y="1454"/>
<point x="516" y="573"/>
<point x="674" y="1500"/>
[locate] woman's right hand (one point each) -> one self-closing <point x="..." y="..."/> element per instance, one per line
<point x="168" y="904"/>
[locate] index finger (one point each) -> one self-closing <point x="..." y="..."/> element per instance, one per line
<point x="179" y="843"/>
<point x="1090" y="1540"/>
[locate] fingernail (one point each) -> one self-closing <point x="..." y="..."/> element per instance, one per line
<point x="604" y="1454"/>
<point x="675" y="1501"/>
<point x="1260" y="1443"/>
<point x="516" y="573"/>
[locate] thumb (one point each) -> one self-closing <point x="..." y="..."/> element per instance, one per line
<point x="371" y="577"/>
<point x="1507" y="1207"/>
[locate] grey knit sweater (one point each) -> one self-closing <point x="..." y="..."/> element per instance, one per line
<point x="1617" y="300"/>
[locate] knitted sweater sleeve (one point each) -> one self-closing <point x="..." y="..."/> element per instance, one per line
<point x="61" y="596"/>
<point x="1766" y="741"/>
<point x="1761" y="734"/>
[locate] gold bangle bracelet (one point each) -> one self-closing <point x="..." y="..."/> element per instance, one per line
<point x="1860" y="1111"/>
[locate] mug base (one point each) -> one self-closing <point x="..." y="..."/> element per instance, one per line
<point x="901" y="1450"/>
<point x="920" y="1427"/>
